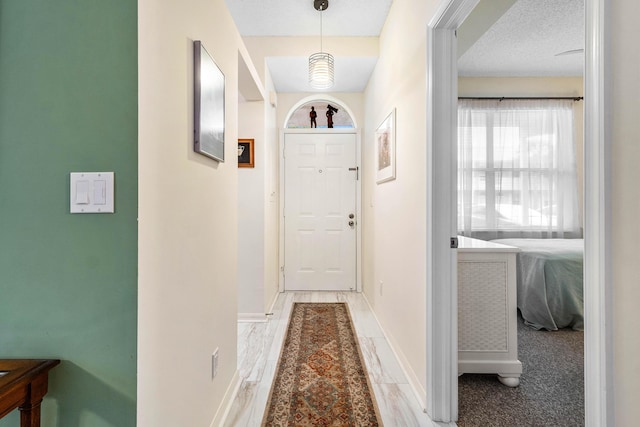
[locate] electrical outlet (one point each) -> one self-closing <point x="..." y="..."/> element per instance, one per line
<point x="214" y="364"/>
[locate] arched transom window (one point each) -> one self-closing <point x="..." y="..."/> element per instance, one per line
<point x="301" y="118"/>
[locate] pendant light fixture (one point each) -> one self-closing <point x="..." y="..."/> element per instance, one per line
<point x="321" y="63"/>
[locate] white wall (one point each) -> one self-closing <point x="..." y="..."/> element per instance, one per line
<point x="258" y="237"/>
<point x="272" y="200"/>
<point x="536" y="86"/>
<point x="625" y="119"/>
<point x="395" y="211"/>
<point x="258" y="209"/>
<point x="187" y="259"/>
<point x="251" y="214"/>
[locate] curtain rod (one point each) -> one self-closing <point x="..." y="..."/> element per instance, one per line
<point x="508" y="98"/>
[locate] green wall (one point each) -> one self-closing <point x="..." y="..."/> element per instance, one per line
<point x="68" y="283"/>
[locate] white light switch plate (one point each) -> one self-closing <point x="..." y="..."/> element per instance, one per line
<point x="91" y="192"/>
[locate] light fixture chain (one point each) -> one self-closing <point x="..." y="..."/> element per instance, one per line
<point x="321" y="11"/>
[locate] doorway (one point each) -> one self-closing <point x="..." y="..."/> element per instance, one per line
<point x="320" y="210"/>
<point x="442" y="402"/>
<point x="507" y="205"/>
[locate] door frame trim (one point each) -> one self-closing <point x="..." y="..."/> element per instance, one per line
<point x="442" y="298"/>
<point x="358" y="214"/>
<point x="442" y="399"/>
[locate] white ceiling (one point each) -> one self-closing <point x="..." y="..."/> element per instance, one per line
<point x="524" y="41"/>
<point x="346" y="18"/>
<point x="299" y="18"/>
<point x="291" y="73"/>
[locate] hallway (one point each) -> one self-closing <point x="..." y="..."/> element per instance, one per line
<point x="259" y="348"/>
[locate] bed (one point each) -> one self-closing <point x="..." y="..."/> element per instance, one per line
<point x="549" y="282"/>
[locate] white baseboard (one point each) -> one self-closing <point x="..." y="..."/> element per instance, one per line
<point x="273" y="301"/>
<point x="227" y="401"/>
<point x="419" y="392"/>
<point x="252" y="317"/>
<point x="259" y="317"/>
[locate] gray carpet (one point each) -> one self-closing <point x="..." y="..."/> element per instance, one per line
<point x="551" y="390"/>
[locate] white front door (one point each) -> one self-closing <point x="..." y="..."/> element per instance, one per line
<point x="320" y="181"/>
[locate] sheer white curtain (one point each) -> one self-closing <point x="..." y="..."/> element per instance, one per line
<point x="517" y="169"/>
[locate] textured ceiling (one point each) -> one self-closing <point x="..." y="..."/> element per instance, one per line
<point x="526" y="40"/>
<point x="523" y="42"/>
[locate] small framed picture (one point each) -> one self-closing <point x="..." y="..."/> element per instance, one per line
<point x="386" y="149"/>
<point x="245" y="153"/>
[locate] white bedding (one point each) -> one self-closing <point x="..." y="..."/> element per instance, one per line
<point x="549" y="279"/>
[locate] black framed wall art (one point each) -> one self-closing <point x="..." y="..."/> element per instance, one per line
<point x="245" y="153"/>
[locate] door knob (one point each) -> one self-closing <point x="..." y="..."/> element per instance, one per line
<point x="351" y="223"/>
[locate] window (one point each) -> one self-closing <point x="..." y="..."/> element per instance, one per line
<point x="517" y="169"/>
<point x="300" y="118"/>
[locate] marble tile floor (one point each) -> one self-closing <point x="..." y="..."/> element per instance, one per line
<point x="259" y="347"/>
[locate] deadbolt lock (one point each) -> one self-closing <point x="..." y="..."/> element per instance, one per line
<point x="351" y="216"/>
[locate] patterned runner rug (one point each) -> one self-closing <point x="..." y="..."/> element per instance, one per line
<point x="321" y="379"/>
